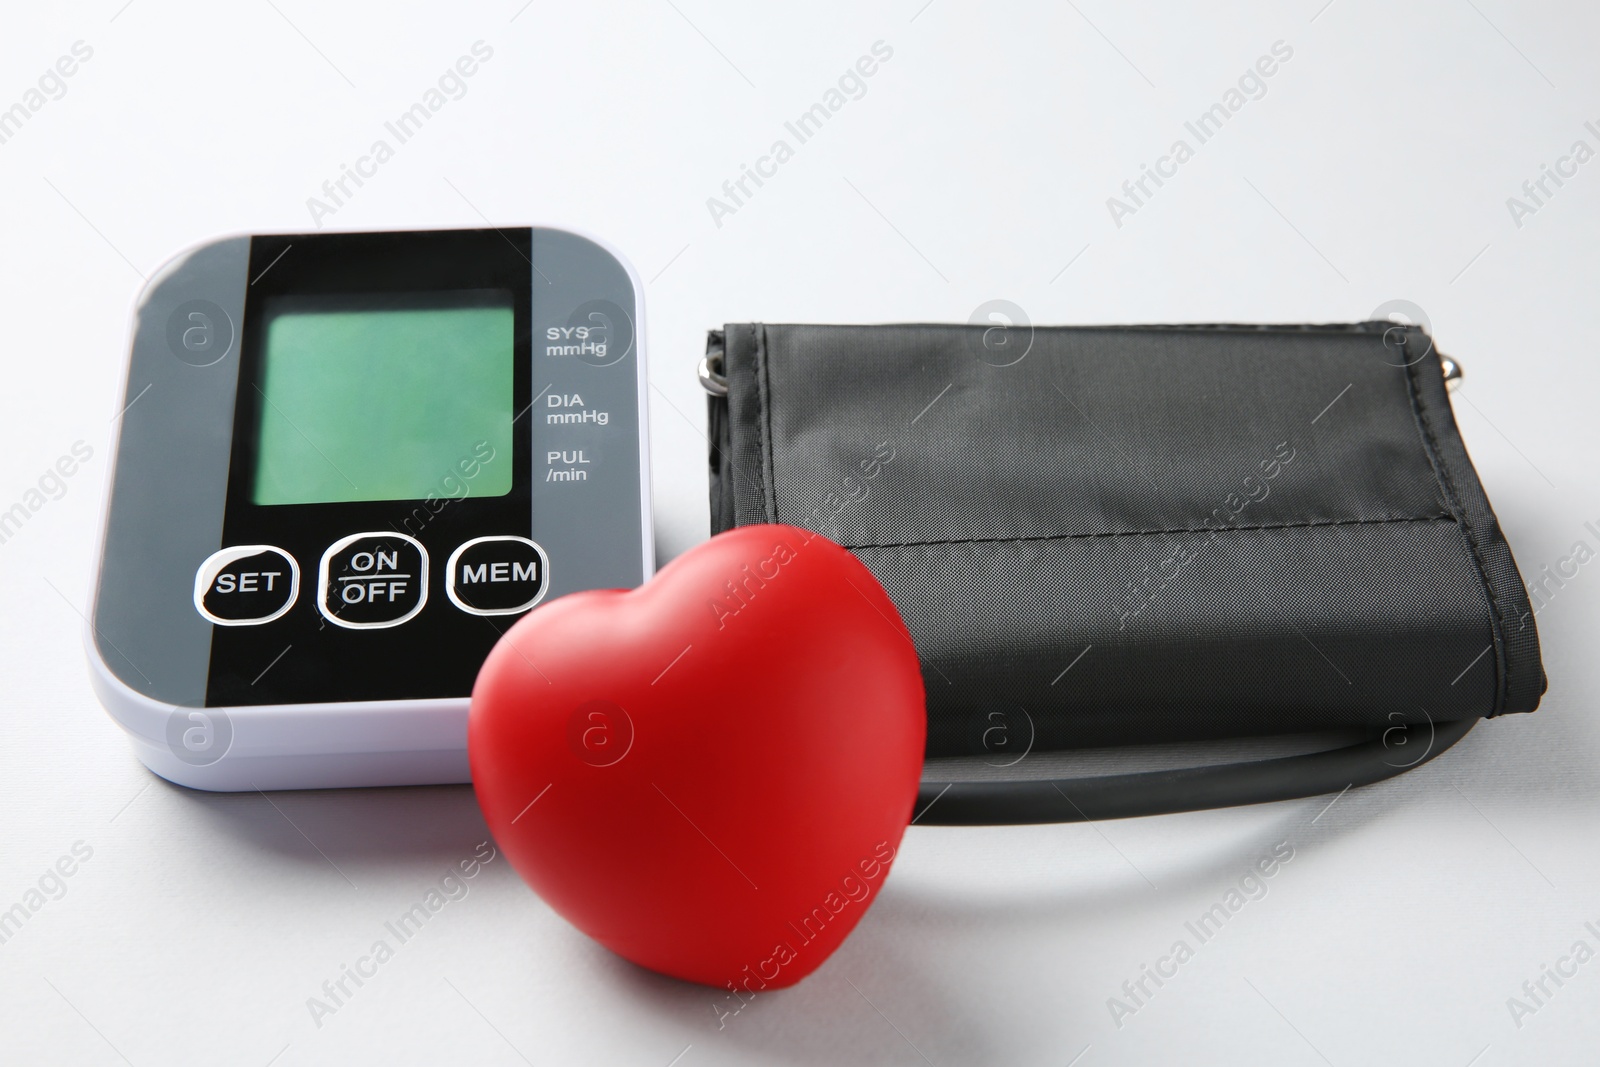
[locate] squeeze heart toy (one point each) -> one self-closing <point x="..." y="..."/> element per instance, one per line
<point x="709" y="774"/>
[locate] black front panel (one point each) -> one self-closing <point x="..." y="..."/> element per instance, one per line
<point x="375" y="623"/>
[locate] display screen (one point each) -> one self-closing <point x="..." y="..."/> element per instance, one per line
<point x="384" y="397"/>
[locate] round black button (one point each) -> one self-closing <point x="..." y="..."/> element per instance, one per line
<point x="246" y="585"/>
<point x="499" y="575"/>
<point x="373" y="580"/>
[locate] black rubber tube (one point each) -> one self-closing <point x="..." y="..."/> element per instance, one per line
<point x="1126" y="796"/>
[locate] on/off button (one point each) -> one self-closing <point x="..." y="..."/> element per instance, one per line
<point x="370" y="581"/>
<point x="500" y="575"/>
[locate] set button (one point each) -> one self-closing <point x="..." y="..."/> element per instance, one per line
<point x="246" y="585"/>
<point x="500" y="575"/>
<point x="369" y="581"/>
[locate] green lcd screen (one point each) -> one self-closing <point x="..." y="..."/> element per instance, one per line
<point x="383" y="397"/>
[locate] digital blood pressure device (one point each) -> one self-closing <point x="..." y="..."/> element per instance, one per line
<point x="346" y="463"/>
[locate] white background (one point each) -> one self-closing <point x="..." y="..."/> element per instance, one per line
<point x="977" y="166"/>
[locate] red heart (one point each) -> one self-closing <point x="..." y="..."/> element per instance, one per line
<point x="710" y="774"/>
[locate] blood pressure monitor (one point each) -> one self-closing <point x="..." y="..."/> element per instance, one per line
<point x="346" y="463"/>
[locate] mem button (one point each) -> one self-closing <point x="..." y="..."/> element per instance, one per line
<point x="246" y="585"/>
<point x="500" y="575"/>
<point x="368" y="581"/>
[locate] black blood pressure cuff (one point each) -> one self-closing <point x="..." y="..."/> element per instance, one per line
<point x="1144" y="533"/>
